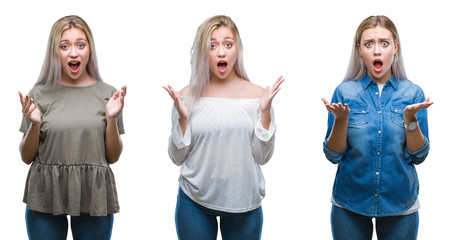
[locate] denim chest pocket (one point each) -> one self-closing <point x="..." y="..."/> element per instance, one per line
<point x="358" y="116"/>
<point x="397" y="115"/>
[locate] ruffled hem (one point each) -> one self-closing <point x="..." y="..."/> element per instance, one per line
<point x="71" y="189"/>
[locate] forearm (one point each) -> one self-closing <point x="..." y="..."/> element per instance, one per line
<point x="183" y="125"/>
<point x="414" y="139"/>
<point x="113" y="143"/>
<point x="337" y="141"/>
<point x="28" y="147"/>
<point x="266" y="119"/>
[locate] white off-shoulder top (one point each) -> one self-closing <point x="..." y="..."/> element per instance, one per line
<point x="221" y="153"/>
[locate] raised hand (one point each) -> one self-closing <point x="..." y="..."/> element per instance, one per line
<point x="29" y="109"/>
<point x="269" y="94"/>
<point x="116" y="103"/>
<point x="178" y="103"/>
<point x="409" y="113"/>
<point x="337" y="109"/>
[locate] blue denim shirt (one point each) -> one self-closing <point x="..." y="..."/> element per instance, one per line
<point x="376" y="174"/>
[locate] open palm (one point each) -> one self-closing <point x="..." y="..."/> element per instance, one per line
<point x="116" y="103"/>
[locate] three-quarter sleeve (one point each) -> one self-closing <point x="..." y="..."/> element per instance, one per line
<point x="420" y="155"/>
<point x="263" y="140"/>
<point x="25" y="124"/>
<point x="178" y="143"/>
<point x="332" y="156"/>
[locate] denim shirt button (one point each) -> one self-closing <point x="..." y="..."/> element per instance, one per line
<point x="379" y="112"/>
<point x="378" y="153"/>
<point x="379" y="131"/>
<point x="376" y="195"/>
<point x="377" y="173"/>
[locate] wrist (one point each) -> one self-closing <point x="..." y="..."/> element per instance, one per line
<point x="341" y="119"/>
<point x="111" y="120"/>
<point x="265" y="111"/>
<point x="183" y="121"/>
<point x="35" y="124"/>
<point x="411" y="126"/>
<point x="409" y="119"/>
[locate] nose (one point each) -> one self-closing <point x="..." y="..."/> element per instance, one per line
<point x="377" y="50"/>
<point x="221" y="51"/>
<point x="73" y="52"/>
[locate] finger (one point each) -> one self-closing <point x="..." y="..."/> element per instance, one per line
<point x="278" y="82"/>
<point x="330" y="108"/>
<point x="27" y="104"/>
<point x="123" y="93"/>
<point x="116" y="95"/>
<point x="122" y="102"/>
<point x="426" y="104"/>
<point x="170" y="92"/>
<point x="275" y="92"/>
<point x="21" y="99"/>
<point x="30" y="107"/>
<point x="347" y="109"/>
<point x="124" y="88"/>
<point x="325" y="101"/>
<point x="166" y="89"/>
<point x="121" y="96"/>
<point x="279" y="78"/>
<point x="31" y="110"/>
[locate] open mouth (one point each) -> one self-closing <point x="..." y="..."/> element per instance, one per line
<point x="74" y="66"/>
<point x="222" y="66"/>
<point x="378" y="65"/>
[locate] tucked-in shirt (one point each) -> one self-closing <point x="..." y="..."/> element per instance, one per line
<point x="220" y="153"/>
<point x="376" y="174"/>
<point x="70" y="174"/>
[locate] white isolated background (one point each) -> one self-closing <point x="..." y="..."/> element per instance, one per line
<point x="146" y="44"/>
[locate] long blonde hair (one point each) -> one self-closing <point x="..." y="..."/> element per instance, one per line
<point x="200" y="71"/>
<point x="51" y="68"/>
<point x="356" y="67"/>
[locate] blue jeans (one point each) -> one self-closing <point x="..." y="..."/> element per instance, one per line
<point x="347" y="225"/>
<point x="195" y="222"/>
<point x="46" y="226"/>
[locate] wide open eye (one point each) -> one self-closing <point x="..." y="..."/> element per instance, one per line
<point x="368" y="44"/>
<point x="384" y="44"/>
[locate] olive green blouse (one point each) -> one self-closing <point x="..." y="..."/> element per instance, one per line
<point x="70" y="174"/>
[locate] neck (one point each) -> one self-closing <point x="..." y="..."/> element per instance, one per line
<point x="228" y="79"/>
<point x="381" y="80"/>
<point x="84" y="80"/>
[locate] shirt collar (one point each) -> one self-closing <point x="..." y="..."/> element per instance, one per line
<point x="367" y="81"/>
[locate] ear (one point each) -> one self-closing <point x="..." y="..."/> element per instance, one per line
<point x="359" y="49"/>
<point x="396" y="48"/>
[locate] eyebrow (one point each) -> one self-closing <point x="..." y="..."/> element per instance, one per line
<point x="371" y="39"/>
<point x="214" y="39"/>
<point x="78" y="39"/>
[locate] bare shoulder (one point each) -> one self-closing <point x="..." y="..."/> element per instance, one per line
<point x="185" y="91"/>
<point x="252" y="90"/>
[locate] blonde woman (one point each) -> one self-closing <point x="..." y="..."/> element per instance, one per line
<point x="72" y="123"/>
<point x="223" y="130"/>
<point x="377" y="133"/>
